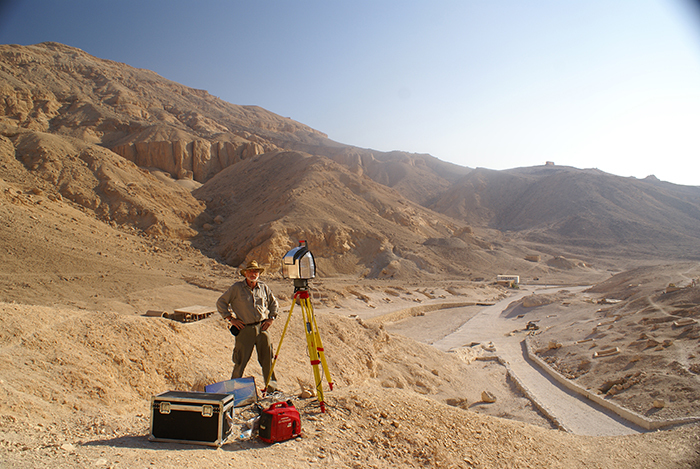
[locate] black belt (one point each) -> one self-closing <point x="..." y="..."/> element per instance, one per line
<point x="235" y="331"/>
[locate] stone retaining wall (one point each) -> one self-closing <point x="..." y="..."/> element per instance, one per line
<point x="524" y="389"/>
<point x="626" y="414"/>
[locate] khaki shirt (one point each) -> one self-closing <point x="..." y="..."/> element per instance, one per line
<point x="248" y="305"/>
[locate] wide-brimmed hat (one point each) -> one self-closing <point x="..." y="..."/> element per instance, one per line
<point x="252" y="265"/>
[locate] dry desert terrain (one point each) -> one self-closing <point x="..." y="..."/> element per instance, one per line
<point x="122" y="192"/>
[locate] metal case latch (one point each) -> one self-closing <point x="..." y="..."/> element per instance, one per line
<point x="164" y="407"/>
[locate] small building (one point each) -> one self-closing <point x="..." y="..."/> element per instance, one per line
<point x="192" y="313"/>
<point x="187" y="314"/>
<point x="507" y="279"/>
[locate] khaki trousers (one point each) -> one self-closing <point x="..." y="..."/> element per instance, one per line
<point x="248" y="337"/>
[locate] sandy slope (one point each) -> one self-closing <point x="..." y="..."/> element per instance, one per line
<point x="76" y="385"/>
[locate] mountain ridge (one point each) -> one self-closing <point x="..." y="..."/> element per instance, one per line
<point x="63" y="104"/>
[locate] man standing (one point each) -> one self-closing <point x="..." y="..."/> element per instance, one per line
<point x="254" y="308"/>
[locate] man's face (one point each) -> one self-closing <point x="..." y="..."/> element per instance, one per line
<point x="252" y="276"/>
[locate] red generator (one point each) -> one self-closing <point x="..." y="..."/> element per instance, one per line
<point x="279" y="422"/>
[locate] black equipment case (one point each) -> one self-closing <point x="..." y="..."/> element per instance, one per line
<point x="200" y="418"/>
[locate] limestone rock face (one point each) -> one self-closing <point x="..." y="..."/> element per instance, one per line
<point x="139" y="115"/>
<point x="190" y="159"/>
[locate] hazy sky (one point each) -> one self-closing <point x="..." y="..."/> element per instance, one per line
<point x="607" y="84"/>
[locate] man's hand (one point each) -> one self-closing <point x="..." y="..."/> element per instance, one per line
<point x="266" y="324"/>
<point x="235" y="322"/>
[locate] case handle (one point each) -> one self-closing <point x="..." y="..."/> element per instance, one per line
<point x="166" y="407"/>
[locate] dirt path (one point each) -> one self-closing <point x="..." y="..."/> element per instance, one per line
<point x="573" y="413"/>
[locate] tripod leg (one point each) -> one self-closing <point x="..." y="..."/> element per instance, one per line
<point x="274" y="360"/>
<point x="319" y="347"/>
<point x="313" y="350"/>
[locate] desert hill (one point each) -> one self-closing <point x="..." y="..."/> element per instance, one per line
<point x="94" y="178"/>
<point x="586" y="210"/>
<point x="355" y="225"/>
<point x="81" y="124"/>
<point x="420" y="178"/>
<point x="64" y="110"/>
<point x="155" y="122"/>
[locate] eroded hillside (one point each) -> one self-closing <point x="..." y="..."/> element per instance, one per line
<point x="129" y="145"/>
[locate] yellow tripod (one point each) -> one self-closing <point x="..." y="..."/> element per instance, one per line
<point x="313" y="340"/>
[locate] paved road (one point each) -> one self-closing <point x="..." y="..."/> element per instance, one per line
<point x="574" y="413"/>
